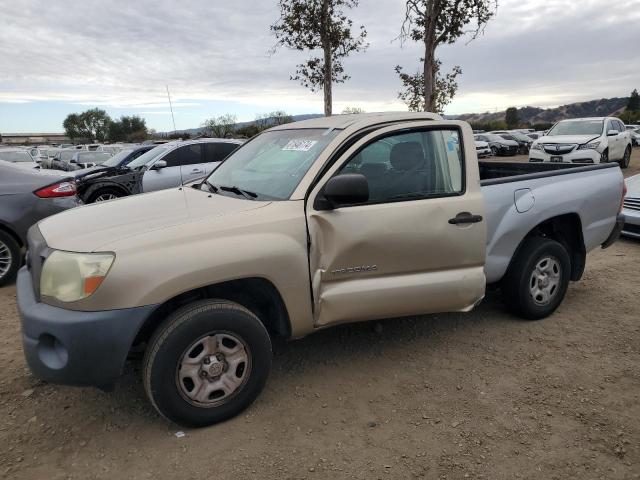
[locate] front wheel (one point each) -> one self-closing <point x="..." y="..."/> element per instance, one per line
<point x="494" y="151"/>
<point x="206" y="363"/>
<point x="105" y="194"/>
<point x="624" y="163"/>
<point x="537" y="280"/>
<point x="604" y="157"/>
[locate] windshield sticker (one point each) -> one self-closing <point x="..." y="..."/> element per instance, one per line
<point x="299" y="145"/>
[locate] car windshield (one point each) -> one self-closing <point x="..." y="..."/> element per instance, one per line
<point x="520" y="136"/>
<point x="15" y="156"/>
<point x="117" y="158"/>
<point x="492" y="137"/>
<point x="145" y="158"/>
<point x="272" y="164"/>
<point x="67" y="155"/>
<point x="577" y="127"/>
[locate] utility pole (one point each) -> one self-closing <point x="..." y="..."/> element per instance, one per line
<point x="171" y="107"/>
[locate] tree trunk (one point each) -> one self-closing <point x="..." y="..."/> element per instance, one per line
<point x="328" y="65"/>
<point x="429" y="67"/>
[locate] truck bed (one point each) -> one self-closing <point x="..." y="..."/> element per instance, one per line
<point x="492" y="173"/>
<point x="520" y="196"/>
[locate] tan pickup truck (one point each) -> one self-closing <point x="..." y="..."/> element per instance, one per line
<point x="307" y="225"/>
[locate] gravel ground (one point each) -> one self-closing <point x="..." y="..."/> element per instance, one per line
<point x="478" y="395"/>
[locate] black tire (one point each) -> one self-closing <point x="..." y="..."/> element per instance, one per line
<point x="172" y="341"/>
<point x="102" y="192"/>
<point x="624" y="163"/>
<point x="604" y="156"/>
<point x="10" y="258"/>
<point x="519" y="280"/>
<point x="494" y="151"/>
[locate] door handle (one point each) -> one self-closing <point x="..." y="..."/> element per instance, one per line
<point x="465" y="217"/>
<point x="196" y="170"/>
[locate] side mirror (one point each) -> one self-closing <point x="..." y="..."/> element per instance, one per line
<point x="159" y="165"/>
<point x="345" y="189"/>
<point x="612" y="133"/>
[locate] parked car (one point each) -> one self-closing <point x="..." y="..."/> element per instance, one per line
<point x="27" y="196"/>
<point x="584" y="140"/>
<point x="483" y="149"/>
<point x="631" y="207"/>
<point x="62" y="158"/>
<point x="635" y="136"/>
<point x="524" y="142"/>
<point x="308" y="225"/>
<point x="95" y="184"/>
<point x="162" y="166"/>
<point x="21" y="157"/>
<point x="499" y="145"/>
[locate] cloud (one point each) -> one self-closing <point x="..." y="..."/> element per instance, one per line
<point x="122" y="54"/>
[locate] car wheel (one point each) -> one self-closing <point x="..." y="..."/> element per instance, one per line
<point x="624" y="163"/>
<point x="537" y="280"/>
<point x="494" y="151"/>
<point x="207" y="362"/>
<point x="10" y="258"/>
<point x="105" y="194"/>
<point x="604" y="156"/>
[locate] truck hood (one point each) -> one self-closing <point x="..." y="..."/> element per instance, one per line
<point x="88" y="228"/>
<point x="579" y="139"/>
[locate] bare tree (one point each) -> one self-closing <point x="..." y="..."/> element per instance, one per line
<point x="319" y="25"/>
<point x="220" y="127"/>
<point x="433" y="23"/>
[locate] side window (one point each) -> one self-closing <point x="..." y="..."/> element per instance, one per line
<point x="611" y="126"/>
<point x="216" y="152"/>
<point x="410" y="165"/>
<point x="621" y="127"/>
<point x="172" y="158"/>
<point x="191" y="154"/>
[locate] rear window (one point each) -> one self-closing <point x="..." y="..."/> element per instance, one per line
<point x="16" y="156"/>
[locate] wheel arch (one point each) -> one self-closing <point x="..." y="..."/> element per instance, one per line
<point x="565" y="229"/>
<point x="257" y="294"/>
<point x="94" y="189"/>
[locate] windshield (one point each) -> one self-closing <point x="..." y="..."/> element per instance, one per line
<point x="272" y="164"/>
<point x="492" y="137"/>
<point x="117" y="158"/>
<point x="577" y="127"/>
<point x="148" y="157"/>
<point x="15" y="156"/>
<point x="67" y="155"/>
<point x="521" y="136"/>
<point x="97" y="157"/>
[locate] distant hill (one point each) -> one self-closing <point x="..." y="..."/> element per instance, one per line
<point x="296" y="118"/>
<point x="593" y="108"/>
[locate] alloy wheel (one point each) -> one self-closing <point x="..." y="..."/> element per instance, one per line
<point x="5" y="259"/>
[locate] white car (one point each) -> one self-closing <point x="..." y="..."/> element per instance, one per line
<point x="584" y="140"/>
<point x="631" y="207"/>
<point x="18" y="156"/>
<point x="635" y="135"/>
<point x="483" y="149"/>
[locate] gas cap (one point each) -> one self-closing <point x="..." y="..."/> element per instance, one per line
<point x="523" y="199"/>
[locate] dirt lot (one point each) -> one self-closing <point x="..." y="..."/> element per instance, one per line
<point x="480" y="395"/>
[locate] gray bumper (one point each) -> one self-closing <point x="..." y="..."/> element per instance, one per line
<point x="632" y="223"/>
<point x="75" y="348"/>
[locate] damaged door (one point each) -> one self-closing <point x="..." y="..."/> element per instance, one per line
<point x="417" y="245"/>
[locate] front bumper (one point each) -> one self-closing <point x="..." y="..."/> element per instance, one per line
<point x="575" y="156"/>
<point x="483" y="152"/>
<point x="631" y="226"/>
<point x="75" y="348"/>
<point x="615" y="233"/>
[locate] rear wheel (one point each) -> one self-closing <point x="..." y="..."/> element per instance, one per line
<point x="105" y="194"/>
<point x="624" y="163"/>
<point x="537" y="280"/>
<point x="206" y="363"/>
<point x="10" y="258"/>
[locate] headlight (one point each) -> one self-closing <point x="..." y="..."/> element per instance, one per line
<point x="536" y="146"/>
<point x="589" y="146"/>
<point x="70" y="276"/>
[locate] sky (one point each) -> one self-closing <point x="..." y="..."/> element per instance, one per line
<point x="60" y="57"/>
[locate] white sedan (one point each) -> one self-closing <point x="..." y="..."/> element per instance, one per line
<point x="483" y="149"/>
